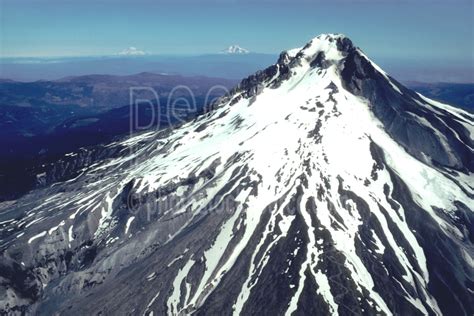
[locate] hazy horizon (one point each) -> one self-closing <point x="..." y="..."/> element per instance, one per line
<point x="103" y="28"/>
<point x="429" y="40"/>
<point x="210" y="65"/>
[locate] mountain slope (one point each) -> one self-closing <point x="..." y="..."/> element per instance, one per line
<point x="41" y="121"/>
<point x="319" y="185"/>
<point x="458" y="94"/>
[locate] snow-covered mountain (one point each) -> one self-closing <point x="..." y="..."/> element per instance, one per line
<point x="235" y="49"/>
<point x="131" y="51"/>
<point x="320" y="185"/>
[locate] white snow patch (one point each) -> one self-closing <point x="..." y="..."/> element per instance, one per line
<point x="129" y="222"/>
<point x="42" y="234"/>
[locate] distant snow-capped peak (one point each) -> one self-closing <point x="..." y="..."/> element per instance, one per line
<point x="132" y="51"/>
<point x="235" y="49"/>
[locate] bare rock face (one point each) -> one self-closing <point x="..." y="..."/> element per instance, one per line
<point x="320" y="185"/>
<point x="402" y="113"/>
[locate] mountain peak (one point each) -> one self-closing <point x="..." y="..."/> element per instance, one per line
<point x="333" y="47"/>
<point x="321" y="52"/>
<point x="132" y="51"/>
<point x="334" y="56"/>
<point x="331" y="36"/>
<point x="235" y="49"/>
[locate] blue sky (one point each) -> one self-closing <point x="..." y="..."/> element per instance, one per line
<point x="426" y="29"/>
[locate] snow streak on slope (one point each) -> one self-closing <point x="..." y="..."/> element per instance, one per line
<point x="290" y="196"/>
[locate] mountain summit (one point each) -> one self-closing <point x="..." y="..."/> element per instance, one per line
<point x="235" y="49"/>
<point x="319" y="185"/>
<point x="132" y="51"/>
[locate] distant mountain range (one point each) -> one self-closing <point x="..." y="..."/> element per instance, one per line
<point x="232" y="65"/>
<point x="235" y="63"/>
<point x="100" y="92"/>
<point x="41" y="121"/>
